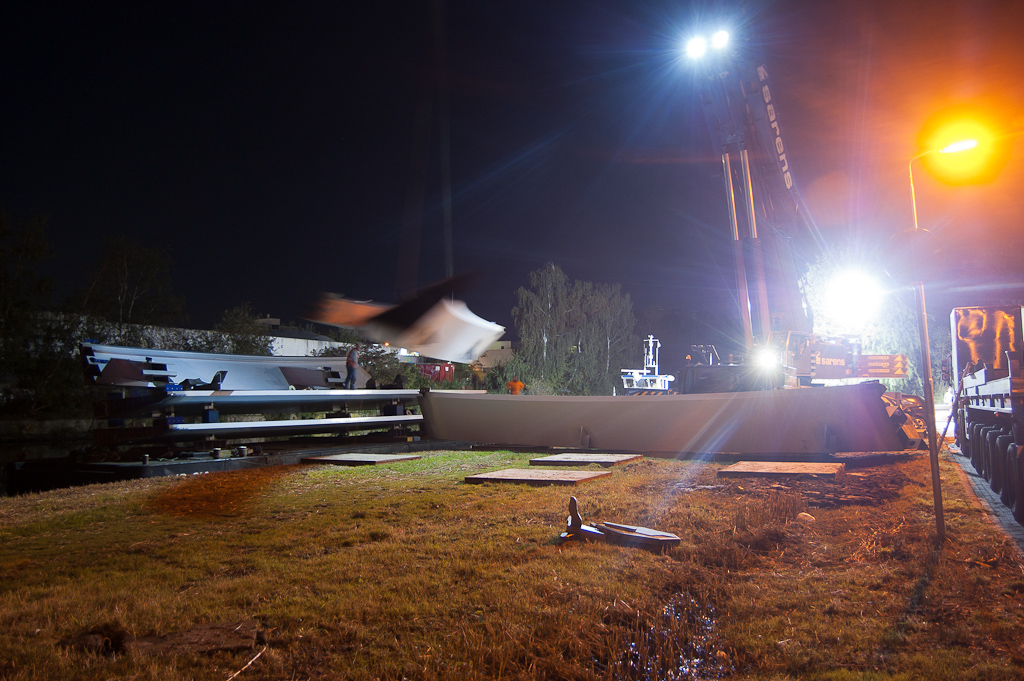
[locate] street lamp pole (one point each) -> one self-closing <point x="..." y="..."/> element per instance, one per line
<point x="926" y="376"/>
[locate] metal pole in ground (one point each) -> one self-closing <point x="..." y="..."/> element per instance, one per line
<point x="926" y="379"/>
<point x="929" y="402"/>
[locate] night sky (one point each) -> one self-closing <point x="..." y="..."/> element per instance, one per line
<point x="267" y="146"/>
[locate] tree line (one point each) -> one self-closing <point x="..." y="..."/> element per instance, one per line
<point x="574" y="336"/>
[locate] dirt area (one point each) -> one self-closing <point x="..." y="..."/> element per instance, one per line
<point x="862" y="487"/>
<point x="113" y="639"/>
<point x="223" y="494"/>
<point x="869" y="486"/>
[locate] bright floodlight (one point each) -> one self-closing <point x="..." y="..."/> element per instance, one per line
<point x="962" y="145"/>
<point x="852" y="299"/>
<point x="696" y="48"/>
<point x="720" y="40"/>
<point x="766" y="358"/>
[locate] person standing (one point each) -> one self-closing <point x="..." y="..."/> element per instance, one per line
<point x="515" y="386"/>
<point x="351" y="363"/>
<point x="479" y="378"/>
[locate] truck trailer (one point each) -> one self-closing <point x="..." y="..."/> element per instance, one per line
<point x="989" y="405"/>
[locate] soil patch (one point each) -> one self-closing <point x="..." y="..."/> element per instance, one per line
<point x="863" y="487"/>
<point x="111" y="639"/>
<point x="222" y="494"/>
<point x="206" y="638"/>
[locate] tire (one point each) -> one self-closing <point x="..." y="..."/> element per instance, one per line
<point x="998" y="483"/>
<point x="1009" y="494"/>
<point x="1018" y="502"/>
<point x="992" y="458"/>
<point x="985" y="468"/>
<point x="975" y="435"/>
<point x="968" y="432"/>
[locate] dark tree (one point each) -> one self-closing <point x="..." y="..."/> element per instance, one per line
<point x="24" y="294"/>
<point x="574" y="336"/>
<point x="39" y="371"/>
<point x="131" y="284"/>
<point x="242" y="326"/>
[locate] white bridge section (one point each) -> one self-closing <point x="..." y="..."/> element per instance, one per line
<point x="147" y="368"/>
<point x="181" y="396"/>
<point x="241" y="429"/>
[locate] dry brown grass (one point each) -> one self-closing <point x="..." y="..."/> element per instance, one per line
<point x="404" y="571"/>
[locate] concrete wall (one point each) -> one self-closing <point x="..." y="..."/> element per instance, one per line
<point x="499" y="353"/>
<point x="300" y="347"/>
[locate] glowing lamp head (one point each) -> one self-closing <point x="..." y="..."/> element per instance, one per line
<point x="696" y="47"/>
<point x="962" y="145"/>
<point x="963" y="151"/>
<point x="766" y="358"/>
<point x="853" y="297"/>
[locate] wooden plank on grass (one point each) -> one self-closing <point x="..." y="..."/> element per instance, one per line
<point x="535" y="476"/>
<point x="781" y="469"/>
<point x="359" y="459"/>
<point x="585" y="459"/>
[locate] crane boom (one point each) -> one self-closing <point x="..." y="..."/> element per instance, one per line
<point x="768" y="241"/>
<point x="772" y="244"/>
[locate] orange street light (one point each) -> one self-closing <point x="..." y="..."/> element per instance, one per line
<point x="962" y="145"/>
<point x="975" y="157"/>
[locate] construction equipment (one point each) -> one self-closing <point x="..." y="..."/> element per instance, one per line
<point x="807" y="357"/>
<point x="772" y="242"/>
<point x="742" y="119"/>
<point x="647" y="381"/>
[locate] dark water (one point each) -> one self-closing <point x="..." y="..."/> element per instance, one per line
<point x="17" y="457"/>
<point x="681" y="643"/>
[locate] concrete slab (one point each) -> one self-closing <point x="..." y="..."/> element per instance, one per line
<point x="535" y="476"/>
<point x="359" y="459"/>
<point x="781" y="469"/>
<point x="585" y="459"/>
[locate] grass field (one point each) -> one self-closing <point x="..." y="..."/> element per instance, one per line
<point x="404" y="571"/>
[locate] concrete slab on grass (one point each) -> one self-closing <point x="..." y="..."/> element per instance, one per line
<point x="585" y="459"/>
<point x="535" y="476"/>
<point x="780" y="469"/>
<point x="359" y="459"/>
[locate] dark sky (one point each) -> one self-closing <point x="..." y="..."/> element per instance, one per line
<point x="267" y="146"/>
